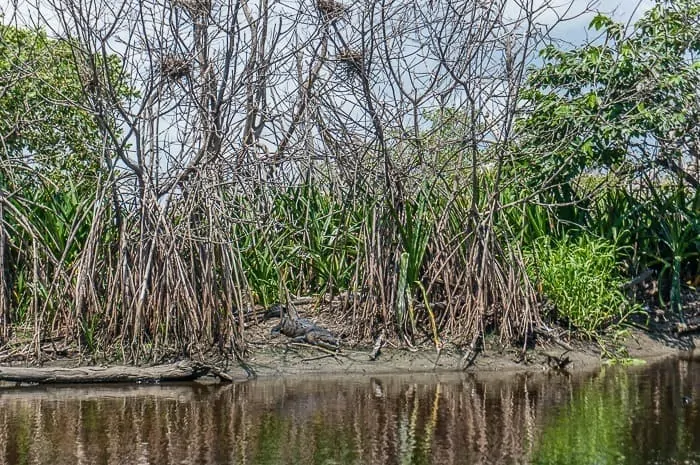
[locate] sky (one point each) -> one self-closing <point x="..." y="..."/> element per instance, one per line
<point x="621" y="10"/>
<point x="574" y="30"/>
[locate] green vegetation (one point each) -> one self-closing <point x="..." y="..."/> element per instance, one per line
<point x="50" y="168"/>
<point x="581" y="277"/>
<point x="146" y="210"/>
<point x="309" y="235"/>
<point x="46" y="131"/>
<point x="616" y="122"/>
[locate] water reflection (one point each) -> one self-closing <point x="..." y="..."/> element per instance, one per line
<point x="615" y="416"/>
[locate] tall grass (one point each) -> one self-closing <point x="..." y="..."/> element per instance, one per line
<point x="581" y="277"/>
<point x="660" y="229"/>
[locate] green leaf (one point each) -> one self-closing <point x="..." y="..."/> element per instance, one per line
<point x="601" y="21"/>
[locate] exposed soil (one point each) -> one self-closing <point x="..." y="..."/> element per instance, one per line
<point x="275" y="357"/>
<point x="290" y="359"/>
<point x="653" y="335"/>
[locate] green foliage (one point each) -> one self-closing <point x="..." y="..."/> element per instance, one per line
<point x="328" y="232"/>
<point x="626" y="104"/>
<point x="42" y="115"/>
<point x="676" y="223"/>
<point x="664" y="230"/>
<point x="51" y="160"/>
<point x="415" y="232"/>
<point x="526" y="221"/>
<point x="48" y="225"/>
<point x="581" y="277"/>
<point x="621" y="99"/>
<point x="309" y="236"/>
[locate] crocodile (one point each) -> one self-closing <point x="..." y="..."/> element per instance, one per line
<point x="302" y="329"/>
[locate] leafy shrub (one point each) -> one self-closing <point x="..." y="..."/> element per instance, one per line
<point x="581" y="278"/>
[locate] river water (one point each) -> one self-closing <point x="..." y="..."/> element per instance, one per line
<point x="640" y="415"/>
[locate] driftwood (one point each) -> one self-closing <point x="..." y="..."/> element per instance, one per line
<point x="183" y="371"/>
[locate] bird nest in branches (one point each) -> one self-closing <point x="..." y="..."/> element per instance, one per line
<point x="89" y="81"/>
<point x="331" y="10"/>
<point x="194" y="7"/>
<point x="174" y="67"/>
<point x="351" y="63"/>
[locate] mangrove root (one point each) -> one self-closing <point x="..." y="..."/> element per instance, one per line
<point x="378" y="344"/>
<point x="558" y="363"/>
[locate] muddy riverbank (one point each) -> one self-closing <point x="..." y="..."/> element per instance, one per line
<point x="291" y="360"/>
<point x="280" y="358"/>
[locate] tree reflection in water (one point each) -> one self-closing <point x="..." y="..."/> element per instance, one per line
<point x="614" y="416"/>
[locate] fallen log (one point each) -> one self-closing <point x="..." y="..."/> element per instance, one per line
<point x="182" y="371"/>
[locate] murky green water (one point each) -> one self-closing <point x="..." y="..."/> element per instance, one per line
<point x="618" y="416"/>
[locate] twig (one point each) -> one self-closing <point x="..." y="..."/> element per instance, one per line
<point x="322" y="349"/>
<point x="320" y="357"/>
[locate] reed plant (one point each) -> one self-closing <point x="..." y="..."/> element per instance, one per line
<point x="414" y="228"/>
<point x="582" y="278"/>
<point x="660" y="229"/>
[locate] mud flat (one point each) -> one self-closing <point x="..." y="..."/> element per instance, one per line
<point x="282" y="358"/>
